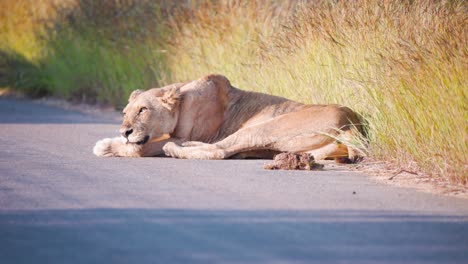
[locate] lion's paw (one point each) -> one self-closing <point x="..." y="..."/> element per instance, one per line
<point x="170" y="149"/>
<point x="103" y="148"/>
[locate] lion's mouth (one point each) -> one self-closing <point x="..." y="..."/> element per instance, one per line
<point x="143" y="141"/>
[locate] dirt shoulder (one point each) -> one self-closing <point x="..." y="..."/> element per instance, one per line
<point x="386" y="173"/>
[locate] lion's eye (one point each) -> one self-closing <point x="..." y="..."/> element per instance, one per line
<point x="142" y="110"/>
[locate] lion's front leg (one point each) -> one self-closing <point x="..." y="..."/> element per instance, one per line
<point x="203" y="152"/>
<point x="115" y="147"/>
<point x="246" y="139"/>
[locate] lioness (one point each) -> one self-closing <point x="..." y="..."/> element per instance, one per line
<point x="210" y="119"/>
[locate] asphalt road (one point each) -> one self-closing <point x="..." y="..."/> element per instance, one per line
<point x="61" y="204"/>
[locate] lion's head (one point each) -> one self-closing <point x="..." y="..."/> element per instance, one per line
<point x="150" y="114"/>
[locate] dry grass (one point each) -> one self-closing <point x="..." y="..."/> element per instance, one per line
<point x="401" y="64"/>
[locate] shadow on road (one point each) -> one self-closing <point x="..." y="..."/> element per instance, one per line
<point x="218" y="236"/>
<point x="13" y="111"/>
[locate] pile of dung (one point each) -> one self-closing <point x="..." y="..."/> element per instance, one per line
<point x="294" y="161"/>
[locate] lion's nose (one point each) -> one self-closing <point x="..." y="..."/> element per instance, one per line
<point x="126" y="132"/>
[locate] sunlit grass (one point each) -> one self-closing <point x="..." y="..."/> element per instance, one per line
<point x="94" y="51"/>
<point x="88" y="69"/>
<point x="20" y="27"/>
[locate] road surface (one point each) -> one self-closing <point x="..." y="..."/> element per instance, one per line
<point x="61" y="204"/>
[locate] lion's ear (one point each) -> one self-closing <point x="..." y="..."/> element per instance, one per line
<point x="170" y="99"/>
<point x="134" y="95"/>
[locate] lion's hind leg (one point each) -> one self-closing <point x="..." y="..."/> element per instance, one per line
<point x="332" y="150"/>
<point x="351" y="140"/>
<point x="342" y="150"/>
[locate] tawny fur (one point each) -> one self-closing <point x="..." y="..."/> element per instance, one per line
<point x="210" y="119"/>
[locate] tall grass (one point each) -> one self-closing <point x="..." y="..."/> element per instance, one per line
<point x="96" y="51"/>
<point x="401" y="64"/>
<point x="21" y="23"/>
<point x="21" y="47"/>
